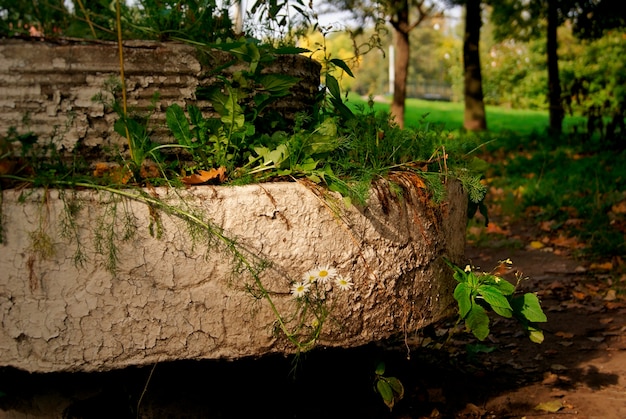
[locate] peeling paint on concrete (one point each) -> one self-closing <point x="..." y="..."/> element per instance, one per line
<point x="171" y="298"/>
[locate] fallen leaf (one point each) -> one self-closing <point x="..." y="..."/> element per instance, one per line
<point x="204" y="176"/>
<point x="536" y="245"/>
<point x="596" y="339"/>
<point x="471" y="411"/>
<point x="619" y="208"/>
<point x="567" y="242"/>
<point x="558" y="367"/>
<point x="546" y="225"/>
<point x="555" y="285"/>
<point x="6" y="166"/>
<point x="113" y="171"/>
<point x="565" y="335"/>
<point x="611" y="295"/>
<point x="495" y="229"/>
<point x="549" y="378"/>
<point x="551" y="406"/>
<point x="579" y="295"/>
<point x="606" y="266"/>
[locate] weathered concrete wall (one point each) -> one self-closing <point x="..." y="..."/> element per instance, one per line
<point x="178" y="298"/>
<point x="49" y="88"/>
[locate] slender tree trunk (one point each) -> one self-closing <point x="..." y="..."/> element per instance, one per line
<point x="554" y="82"/>
<point x="475" y="118"/>
<point x="401" y="64"/>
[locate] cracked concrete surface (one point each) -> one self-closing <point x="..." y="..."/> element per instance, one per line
<point x="175" y="297"/>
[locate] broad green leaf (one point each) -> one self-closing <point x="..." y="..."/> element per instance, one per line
<point x="177" y="123"/>
<point x="460" y="276"/>
<point x="380" y="368"/>
<point x="120" y="127"/>
<point x="234" y="114"/>
<point x="276" y="156"/>
<point x="278" y="84"/>
<point x="396" y="386"/>
<point x="307" y="165"/>
<point x="328" y="128"/>
<point x="503" y="285"/>
<point x="463" y="296"/>
<point x="478" y="322"/>
<point x="385" y="391"/>
<point x="529" y="308"/>
<point x="333" y="86"/>
<point x="195" y="116"/>
<point x="496" y="300"/>
<point x="472" y="280"/>
<point x="342" y="65"/>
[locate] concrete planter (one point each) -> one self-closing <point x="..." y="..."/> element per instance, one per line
<point x="173" y="297"/>
<point x="136" y="298"/>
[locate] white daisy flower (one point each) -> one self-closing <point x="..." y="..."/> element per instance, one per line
<point x="344" y="284"/>
<point x="299" y="289"/>
<point x="325" y="273"/>
<point x="309" y="276"/>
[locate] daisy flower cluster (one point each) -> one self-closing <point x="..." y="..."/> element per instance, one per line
<point x="320" y="275"/>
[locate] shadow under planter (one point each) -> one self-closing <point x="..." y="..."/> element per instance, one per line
<point x="95" y="281"/>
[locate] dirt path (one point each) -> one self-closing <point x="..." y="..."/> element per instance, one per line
<point x="580" y="369"/>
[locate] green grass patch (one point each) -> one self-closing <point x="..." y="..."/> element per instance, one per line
<point x="449" y="115"/>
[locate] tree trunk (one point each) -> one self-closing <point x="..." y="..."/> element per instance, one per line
<point x="475" y="118"/>
<point x="400" y="77"/>
<point x="554" y="82"/>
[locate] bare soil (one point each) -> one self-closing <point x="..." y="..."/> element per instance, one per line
<point x="579" y="371"/>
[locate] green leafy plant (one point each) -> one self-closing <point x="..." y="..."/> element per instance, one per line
<point x="229" y="138"/>
<point x="477" y="293"/>
<point x="390" y="388"/>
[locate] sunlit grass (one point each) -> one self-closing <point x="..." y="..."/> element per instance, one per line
<point x="450" y="115"/>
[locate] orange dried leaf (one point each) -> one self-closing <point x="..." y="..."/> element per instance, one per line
<point x="546" y="226"/>
<point x="565" y="335"/>
<point x="113" y="171"/>
<point x="612" y="305"/>
<point x="204" y="176"/>
<point x="619" y="208"/>
<point x="495" y="229"/>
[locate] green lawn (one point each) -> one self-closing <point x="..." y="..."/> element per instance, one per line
<point x="450" y="115"/>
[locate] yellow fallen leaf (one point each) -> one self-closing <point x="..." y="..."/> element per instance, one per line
<point x="551" y="406"/>
<point x="536" y="245"/>
<point x="606" y="266"/>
